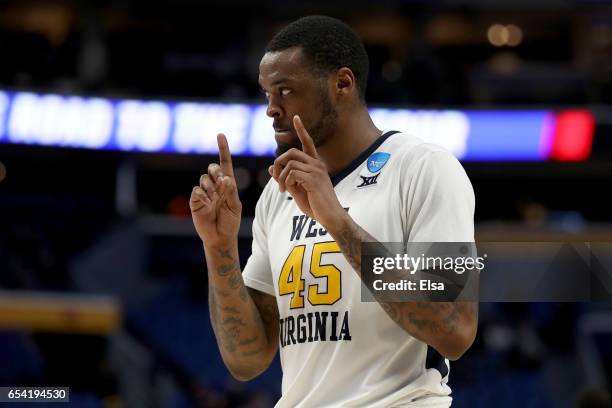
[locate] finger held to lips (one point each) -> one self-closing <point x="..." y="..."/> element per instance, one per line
<point x="308" y="146"/>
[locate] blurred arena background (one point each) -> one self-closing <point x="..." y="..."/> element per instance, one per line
<point x="108" y="114"/>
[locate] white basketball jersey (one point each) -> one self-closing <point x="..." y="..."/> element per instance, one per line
<point x="337" y="351"/>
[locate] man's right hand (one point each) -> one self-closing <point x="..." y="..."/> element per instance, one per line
<point x="215" y="205"/>
<point x="245" y="321"/>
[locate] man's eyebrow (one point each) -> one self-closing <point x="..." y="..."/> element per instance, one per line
<point x="276" y="82"/>
<point x="280" y="81"/>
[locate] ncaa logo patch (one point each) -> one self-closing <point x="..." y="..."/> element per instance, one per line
<point x="377" y="160"/>
<point x="374" y="164"/>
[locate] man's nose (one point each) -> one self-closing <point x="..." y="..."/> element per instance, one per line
<point x="274" y="110"/>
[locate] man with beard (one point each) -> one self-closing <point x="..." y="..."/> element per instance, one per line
<point x="337" y="181"/>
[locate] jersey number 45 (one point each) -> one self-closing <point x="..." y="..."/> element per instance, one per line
<point x="290" y="281"/>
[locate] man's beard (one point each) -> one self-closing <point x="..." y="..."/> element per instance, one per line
<point x="319" y="132"/>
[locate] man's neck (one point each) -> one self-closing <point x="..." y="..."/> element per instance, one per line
<point x="351" y="138"/>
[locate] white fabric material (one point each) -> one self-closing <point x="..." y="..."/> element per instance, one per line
<point x="421" y="194"/>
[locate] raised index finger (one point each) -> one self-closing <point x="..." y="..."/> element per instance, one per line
<point x="225" y="158"/>
<point x="308" y="146"/>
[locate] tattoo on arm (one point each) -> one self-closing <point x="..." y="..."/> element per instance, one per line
<point x="422" y="320"/>
<point x="426" y="320"/>
<point x="226" y="269"/>
<point x="349" y="240"/>
<point x="243" y="292"/>
<point x="264" y="315"/>
<point x="245" y="321"/>
<point x="237" y="334"/>
<point x="235" y="280"/>
<point x="224" y="253"/>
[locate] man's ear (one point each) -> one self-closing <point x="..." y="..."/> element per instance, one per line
<point x="345" y="82"/>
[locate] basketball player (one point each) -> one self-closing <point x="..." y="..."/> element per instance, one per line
<point x="337" y="181"/>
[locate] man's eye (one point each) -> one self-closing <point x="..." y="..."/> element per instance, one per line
<point x="285" y="91"/>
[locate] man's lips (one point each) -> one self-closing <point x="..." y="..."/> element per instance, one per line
<point x="283" y="136"/>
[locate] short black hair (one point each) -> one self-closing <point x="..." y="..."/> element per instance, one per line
<point x="328" y="43"/>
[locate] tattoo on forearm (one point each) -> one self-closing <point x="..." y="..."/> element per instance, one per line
<point x="235" y="280"/>
<point x="242" y="339"/>
<point x="220" y="293"/>
<point x="226" y="269"/>
<point x="212" y="307"/>
<point x="224" y="253"/>
<point x="350" y="240"/>
<point x="421" y="319"/>
<point x="243" y="292"/>
<point x="425" y="319"/>
<point x="233" y="270"/>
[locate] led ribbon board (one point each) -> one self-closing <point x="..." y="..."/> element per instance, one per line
<point x="191" y="127"/>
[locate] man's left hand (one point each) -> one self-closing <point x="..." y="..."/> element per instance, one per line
<point x="304" y="175"/>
